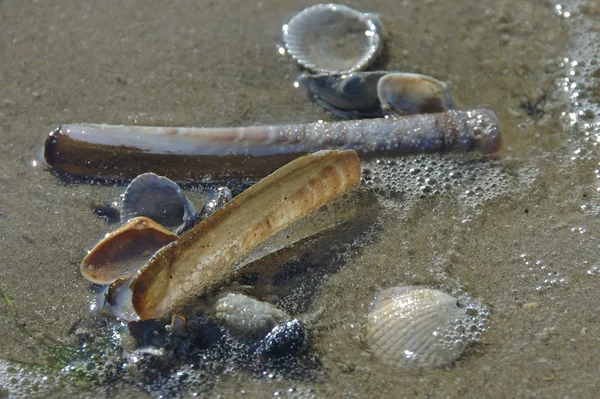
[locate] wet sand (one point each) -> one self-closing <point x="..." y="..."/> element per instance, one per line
<point x="519" y="232"/>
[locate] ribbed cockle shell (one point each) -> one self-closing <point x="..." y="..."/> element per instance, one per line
<point x="333" y="38"/>
<point x="416" y="327"/>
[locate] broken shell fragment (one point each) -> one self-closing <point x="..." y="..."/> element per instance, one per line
<point x="204" y="258"/>
<point x="184" y="154"/>
<point x="159" y="199"/>
<point x="333" y="38"/>
<point x="411" y="93"/>
<point x="420" y="327"/>
<point x="123" y="251"/>
<point x="248" y="315"/>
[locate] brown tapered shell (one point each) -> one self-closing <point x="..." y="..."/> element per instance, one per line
<point x="188" y="153"/>
<point x="122" y="252"/>
<point x="204" y="258"/>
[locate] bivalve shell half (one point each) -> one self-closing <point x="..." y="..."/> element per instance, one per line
<point x="404" y="93"/>
<point x="420" y="327"/>
<point x="125" y="250"/>
<point x="333" y="38"/>
<point x="160" y="199"/>
<point x="348" y="96"/>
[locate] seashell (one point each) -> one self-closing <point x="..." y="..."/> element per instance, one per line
<point x="117" y="300"/>
<point x="219" y="198"/>
<point x="418" y="327"/>
<point x="248" y="315"/>
<point x="122" y="252"/>
<point x="333" y="38"/>
<point x="375" y="94"/>
<point x="118" y="152"/>
<point x="204" y="258"/>
<point x="348" y="96"/>
<point x="411" y="93"/>
<point x="159" y="199"/>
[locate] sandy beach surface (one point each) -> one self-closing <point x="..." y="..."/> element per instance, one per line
<point x="519" y="232"/>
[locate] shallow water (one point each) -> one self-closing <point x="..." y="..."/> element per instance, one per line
<point x="519" y="232"/>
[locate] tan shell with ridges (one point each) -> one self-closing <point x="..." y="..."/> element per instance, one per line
<point x="204" y="258"/>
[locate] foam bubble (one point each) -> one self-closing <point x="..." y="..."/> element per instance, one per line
<point x="402" y="182"/>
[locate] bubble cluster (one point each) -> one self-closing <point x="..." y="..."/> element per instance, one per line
<point x="579" y="95"/>
<point x="20" y="380"/>
<point x="401" y="182"/>
<point x="542" y="276"/>
<point x="17" y="381"/>
<point x="469" y="326"/>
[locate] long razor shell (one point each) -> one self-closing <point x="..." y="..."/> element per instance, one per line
<point x="204" y="258"/>
<point x="123" y="152"/>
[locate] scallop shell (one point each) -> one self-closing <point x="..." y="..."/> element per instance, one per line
<point x="419" y="327"/>
<point x="333" y="38"/>
<point x="123" y="251"/>
<point x="159" y="199"/>
<point x="411" y="93"/>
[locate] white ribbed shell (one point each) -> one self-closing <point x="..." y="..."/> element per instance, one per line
<point x="332" y="38"/>
<point x="415" y="327"/>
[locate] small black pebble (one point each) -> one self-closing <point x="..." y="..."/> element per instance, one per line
<point x="288" y="338"/>
<point x="104" y="210"/>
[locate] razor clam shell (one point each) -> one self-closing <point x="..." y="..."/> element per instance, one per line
<point x="333" y="38"/>
<point x="293" y="265"/>
<point x="159" y="199"/>
<point x="404" y="93"/>
<point x="407" y="326"/>
<point x="191" y="154"/>
<point x="204" y="258"/>
<point x="122" y="252"/>
<point x="348" y="96"/>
